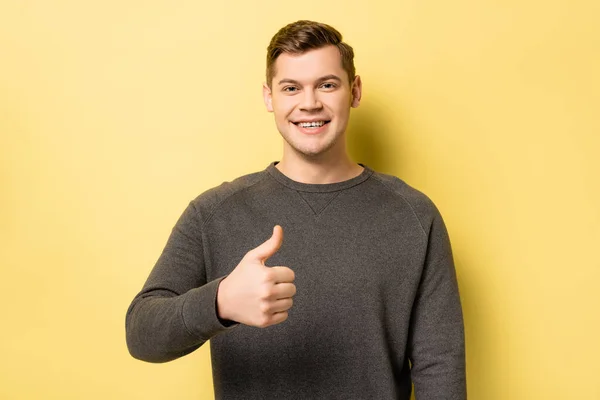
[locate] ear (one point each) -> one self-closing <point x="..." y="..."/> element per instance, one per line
<point x="267" y="97"/>
<point x="356" y="91"/>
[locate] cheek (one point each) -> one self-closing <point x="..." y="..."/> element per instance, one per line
<point x="282" y="109"/>
<point x="340" y="105"/>
<point x="342" y="110"/>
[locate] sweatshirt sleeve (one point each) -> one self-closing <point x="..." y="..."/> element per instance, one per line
<point x="175" y="312"/>
<point x="436" y="339"/>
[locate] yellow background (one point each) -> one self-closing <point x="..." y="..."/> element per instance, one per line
<point x="114" y="114"/>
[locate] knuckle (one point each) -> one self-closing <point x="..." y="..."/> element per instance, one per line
<point x="269" y="275"/>
<point x="266" y="293"/>
<point x="264" y="321"/>
<point x="264" y="308"/>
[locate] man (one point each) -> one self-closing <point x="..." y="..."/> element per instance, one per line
<point x="359" y="299"/>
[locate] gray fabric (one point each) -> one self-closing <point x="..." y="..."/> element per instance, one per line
<point x="376" y="287"/>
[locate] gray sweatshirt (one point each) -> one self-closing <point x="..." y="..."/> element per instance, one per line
<point x="377" y="305"/>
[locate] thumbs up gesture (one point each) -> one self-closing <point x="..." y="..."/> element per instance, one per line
<point x="254" y="294"/>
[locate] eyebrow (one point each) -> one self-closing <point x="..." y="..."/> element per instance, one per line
<point x="321" y="79"/>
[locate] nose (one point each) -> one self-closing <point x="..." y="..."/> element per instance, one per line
<point x="310" y="101"/>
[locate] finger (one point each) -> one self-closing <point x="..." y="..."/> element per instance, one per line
<point x="281" y="305"/>
<point x="282" y="274"/>
<point x="283" y="290"/>
<point x="268" y="248"/>
<point x="279" y="317"/>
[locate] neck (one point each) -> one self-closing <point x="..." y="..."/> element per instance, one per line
<point x="318" y="170"/>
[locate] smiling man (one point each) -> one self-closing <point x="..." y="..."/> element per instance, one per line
<point x="360" y="299"/>
<point x="310" y="94"/>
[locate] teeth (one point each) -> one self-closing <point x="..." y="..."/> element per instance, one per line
<point x="311" y="124"/>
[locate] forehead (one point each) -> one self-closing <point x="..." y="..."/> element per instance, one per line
<point x="310" y="65"/>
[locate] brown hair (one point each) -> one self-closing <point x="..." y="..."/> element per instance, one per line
<point x="301" y="36"/>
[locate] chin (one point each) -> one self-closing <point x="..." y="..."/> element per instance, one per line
<point x="312" y="152"/>
<point x="309" y="150"/>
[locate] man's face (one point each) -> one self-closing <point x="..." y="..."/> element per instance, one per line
<point x="310" y="97"/>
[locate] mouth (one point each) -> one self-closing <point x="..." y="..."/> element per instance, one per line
<point x="311" y="124"/>
<point x="312" y="128"/>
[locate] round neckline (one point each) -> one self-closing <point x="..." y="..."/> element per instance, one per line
<point x="318" y="187"/>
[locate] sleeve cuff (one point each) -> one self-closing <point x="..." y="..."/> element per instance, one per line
<point x="200" y="311"/>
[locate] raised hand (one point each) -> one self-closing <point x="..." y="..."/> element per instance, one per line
<point x="254" y="294"/>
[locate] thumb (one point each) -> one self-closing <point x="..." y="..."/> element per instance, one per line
<point x="270" y="247"/>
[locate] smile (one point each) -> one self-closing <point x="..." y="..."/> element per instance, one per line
<point x="312" y="124"/>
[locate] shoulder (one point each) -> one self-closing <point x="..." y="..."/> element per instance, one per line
<point x="419" y="203"/>
<point x="209" y="201"/>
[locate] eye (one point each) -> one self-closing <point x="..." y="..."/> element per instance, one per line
<point x="328" y="85"/>
<point x="290" y="89"/>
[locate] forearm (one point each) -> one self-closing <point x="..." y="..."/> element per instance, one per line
<point x="438" y="358"/>
<point x="162" y="326"/>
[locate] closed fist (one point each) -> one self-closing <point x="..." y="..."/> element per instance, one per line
<point x="254" y="294"/>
